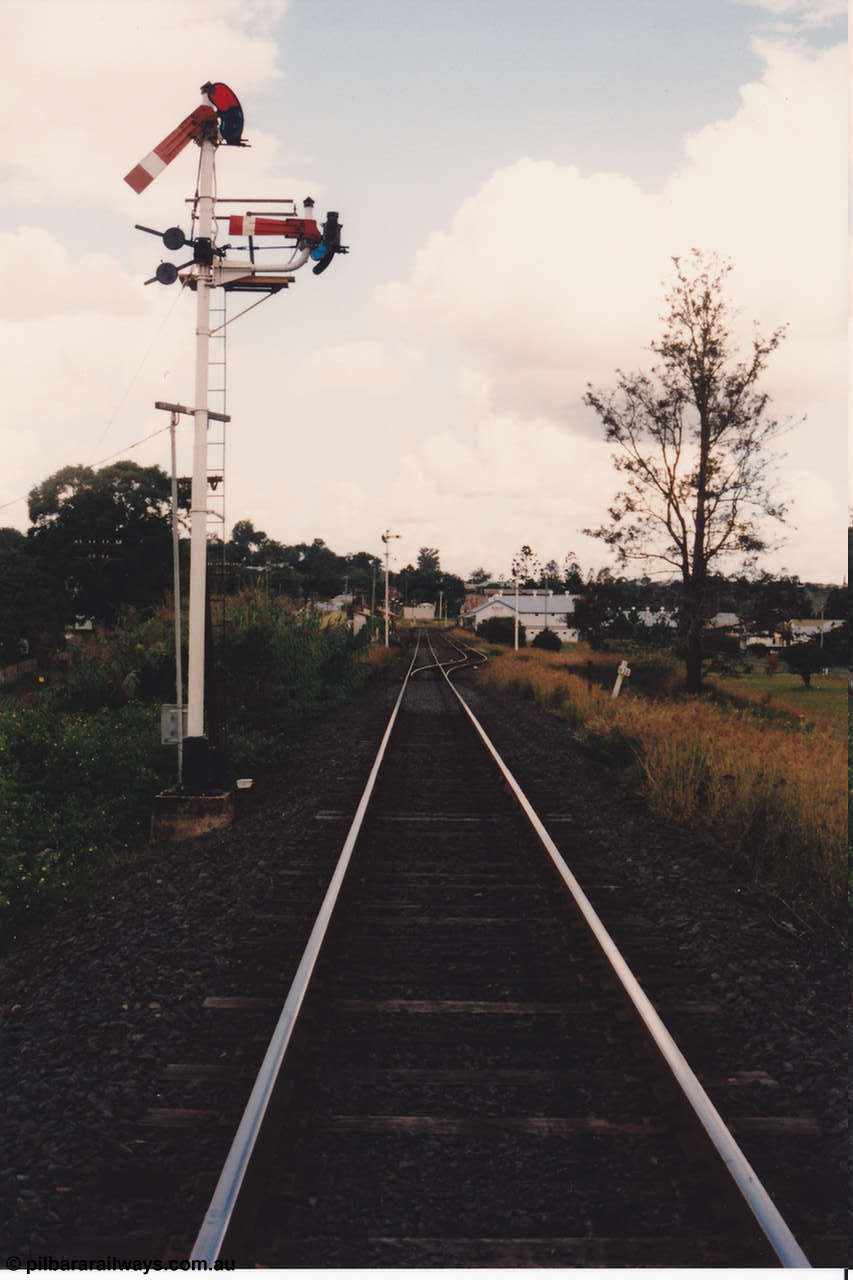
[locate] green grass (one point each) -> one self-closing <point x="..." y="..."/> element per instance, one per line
<point x="824" y="703"/>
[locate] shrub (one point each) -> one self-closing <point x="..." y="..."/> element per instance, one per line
<point x="72" y="787"/>
<point x="804" y="660"/>
<point x="502" y="631"/>
<point x="79" y="764"/>
<point x="547" y="639"/>
<point x="133" y="661"/>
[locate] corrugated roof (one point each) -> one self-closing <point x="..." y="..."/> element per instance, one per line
<point x="533" y="604"/>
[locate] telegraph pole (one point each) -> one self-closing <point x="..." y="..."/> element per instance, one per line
<point x="386" y="538"/>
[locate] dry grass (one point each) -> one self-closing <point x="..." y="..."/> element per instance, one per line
<point x="377" y="657"/>
<point x="770" y="793"/>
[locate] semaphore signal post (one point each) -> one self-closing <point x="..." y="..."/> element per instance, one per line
<point x="218" y="121"/>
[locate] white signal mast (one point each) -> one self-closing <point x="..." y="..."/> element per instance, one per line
<point x="386" y="538"/>
<point x="218" y="120"/>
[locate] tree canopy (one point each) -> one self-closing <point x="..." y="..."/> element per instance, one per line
<point x="104" y="536"/>
<point x="426" y="583"/>
<point x="31" y="608"/>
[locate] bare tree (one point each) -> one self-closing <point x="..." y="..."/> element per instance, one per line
<point x="692" y="441"/>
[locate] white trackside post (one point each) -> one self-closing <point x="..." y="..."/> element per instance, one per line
<point x="623" y="671"/>
<point x="516" y="611"/>
<point x="198" y="504"/>
<point x="386" y="538"/>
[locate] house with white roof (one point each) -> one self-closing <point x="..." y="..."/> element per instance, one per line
<point x="803" y="629"/>
<point x="536" y="611"/>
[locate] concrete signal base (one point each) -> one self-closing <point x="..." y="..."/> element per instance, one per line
<point x="176" y="816"/>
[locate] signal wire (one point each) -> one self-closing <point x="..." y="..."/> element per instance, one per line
<point x="92" y="465"/>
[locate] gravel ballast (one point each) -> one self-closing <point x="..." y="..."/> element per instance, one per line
<point x="104" y="1150"/>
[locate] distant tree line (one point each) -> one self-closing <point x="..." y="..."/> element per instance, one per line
<point x="426" y="583"/>
<point x="99" y="542"/>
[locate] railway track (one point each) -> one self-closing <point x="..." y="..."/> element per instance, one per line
<point x="462" y="1074"/>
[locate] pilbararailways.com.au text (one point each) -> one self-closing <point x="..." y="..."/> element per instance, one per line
<point x="145" y="1265"/>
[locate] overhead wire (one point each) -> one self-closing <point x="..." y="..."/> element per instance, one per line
<point x="125" y="393"/>
<point x="92" y="465"/>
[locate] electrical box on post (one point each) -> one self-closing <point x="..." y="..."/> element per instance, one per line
<point x="173" y="724"/>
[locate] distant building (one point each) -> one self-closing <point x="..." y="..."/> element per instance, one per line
<point x="656" y="618"/>
<point x="472" y="600"/>
<point x="338" y="604"/>
<point x="724" y="622"/>
<point x="536" y="611"/>
<point x="419" y="612"/>
<point x="803" y="629"/>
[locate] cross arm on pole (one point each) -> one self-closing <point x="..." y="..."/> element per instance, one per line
<point x="182" y="408"/>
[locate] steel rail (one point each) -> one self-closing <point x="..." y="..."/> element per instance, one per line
<point x="217" y="1219"/>
<point x="771" y="1222"/>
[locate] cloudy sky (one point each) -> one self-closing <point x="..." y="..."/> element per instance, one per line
<point x="513" y="183"/>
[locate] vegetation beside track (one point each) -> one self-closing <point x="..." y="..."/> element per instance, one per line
<point x="765" y="782"/>
<point x="80" y="757"/>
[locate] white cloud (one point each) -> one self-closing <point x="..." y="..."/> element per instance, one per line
<point x="40" y="279"/>
<point x="367" y="366"/>
<point x="547" y="278"/>
<point x="99" y="84"/>
<point x="79" y="385"/>
<point x="801" y="14"/>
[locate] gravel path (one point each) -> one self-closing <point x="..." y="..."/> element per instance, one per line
<point x="96" y="1004"/>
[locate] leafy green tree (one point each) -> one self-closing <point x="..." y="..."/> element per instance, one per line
<point x="837" y="603"/>
<point x="428" y="560"/>
<point x="763" y="603"/>
<point x="548" y="640"/>
<point x="599" y="613"/>
<point x="452" y="589"/>
<point x="692" y="443"/>
<point x="502" y="631"/>
<point x="104" y="536"/>
<point x="479" y="577"/>
<point x="804" y="660"/>
<point x="552" y="577"/>
<point x="247" y="543"/>
<point x="32" y="614"/>
<point x="426" y="583"/>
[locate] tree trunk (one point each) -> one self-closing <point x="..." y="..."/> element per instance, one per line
<point x="694" y="659"/>
<point x="694" y="598"/>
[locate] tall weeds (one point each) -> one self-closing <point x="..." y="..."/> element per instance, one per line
<point x="772" y="795"/>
